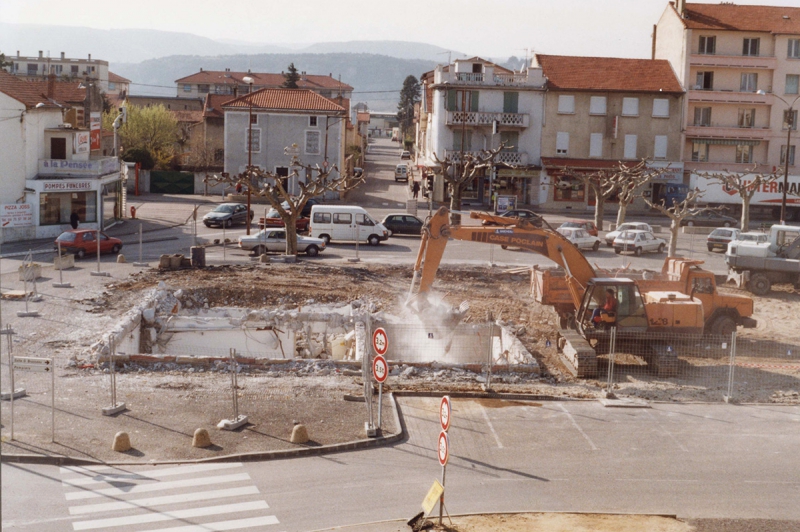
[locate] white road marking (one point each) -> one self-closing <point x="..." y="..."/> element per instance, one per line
<point x="160" y="501"/>
<point x="156" y="473"/>
<point x="665" y="431"/>
<point x="223" y="525"/>
<point x="160" y="486"/>
<point x="575" y="424"/>
<point x="491" y="427"/>
<point x="653" y="480"/>
<point x="169" y="516"/>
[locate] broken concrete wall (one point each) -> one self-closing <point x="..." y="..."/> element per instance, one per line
<point x="466" y="343"/>
<point x="508" y="349"/>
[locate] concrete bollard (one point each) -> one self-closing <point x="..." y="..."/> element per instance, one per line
<point x="122" y="442"/>
<point x="299" y="434"/>
<point x="120" y="259"/>
<point x="163" y="262"/>
<point x="201" y="438"/>
<point x="264" y="259"/>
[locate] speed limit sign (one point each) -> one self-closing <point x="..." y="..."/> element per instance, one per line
<point x="380" y="370"/>
<point x="443" y="449"/>
<point x="380" y="341"/>
<point x="444" y="413"/>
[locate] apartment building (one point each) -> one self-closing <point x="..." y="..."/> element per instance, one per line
<point x="740" y="67"/>
<point x="37" y="68"/>
<point x="472" y="105"/>
<point x="600" y="111"/>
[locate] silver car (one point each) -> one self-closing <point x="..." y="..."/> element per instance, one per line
<point x="638" y="242"/>
<point x="627" y="226"/>
<point x="271" y="239"/>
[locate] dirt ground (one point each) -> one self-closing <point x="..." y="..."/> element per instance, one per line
<point x="563" y="523"/>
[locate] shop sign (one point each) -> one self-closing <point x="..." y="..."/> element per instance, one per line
<point x="95" y="121"/>
<point x="513" y="172"/>
<point x="671" y="171"/>
<point x="16" y="215"/>
<point x="59" y="186"/>
<point x="81" y="142"/>
<point x="96" y="167"/>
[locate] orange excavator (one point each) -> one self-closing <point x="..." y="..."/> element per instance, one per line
<point x="682" y="300"/>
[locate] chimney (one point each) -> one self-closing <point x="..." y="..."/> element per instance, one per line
<point x="90" y="57"/>
<point x="17" y="53"/>
<point x="62" y="55"/>
<point x="51" y="86"/>
<point x="201" y="69"/>
<point x="680" y="5"/>
<point x="41" y="54"/>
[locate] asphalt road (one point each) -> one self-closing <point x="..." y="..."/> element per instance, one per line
<point x="694" y="461"/>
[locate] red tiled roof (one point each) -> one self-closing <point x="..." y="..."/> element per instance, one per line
<point x="32" y="93"/>
<point x="309" y="81"/>
<point x="731" y="17"/>
<point x="362" y="117"/>
<point x="212" y="107"/>
<point x="608" y="74"/>
<point x="115" y="78"/>
<point x="285" y="100"/>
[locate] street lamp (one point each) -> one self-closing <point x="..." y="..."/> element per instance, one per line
<point x="789" y="124"/>
<point x="249" y="81"/>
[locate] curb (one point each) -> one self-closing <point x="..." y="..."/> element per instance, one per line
<point x="256" y="456"/>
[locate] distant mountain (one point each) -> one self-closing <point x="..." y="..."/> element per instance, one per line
<point x="376" y="79"/>
<point x="132" y="45"/>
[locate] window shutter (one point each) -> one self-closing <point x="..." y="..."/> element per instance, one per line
<point x="597" y="105"/>
<point x="630" y="146"/>
<point x="596" y="145"/>
<point x="660" y="151"/>
<point x="562" y="143"/>
<point x="661" y="107"/>
<point x="510" y="102"/>
<point x="630" y="107"/>
<point x="474" y="98"/>
<point x="566" y="104"/>
<point x="451" y="100"/>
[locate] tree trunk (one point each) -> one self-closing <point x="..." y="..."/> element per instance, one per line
<point x="623" y="210"/>
<point x="455" y="204"/>
<point x="745" y="222"/>
<point x="291" y="234"/>
<point x="599" y="209"/>
<point x="674" y="229"/>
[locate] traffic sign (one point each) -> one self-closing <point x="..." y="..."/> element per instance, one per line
<point x="42" y="365"/>
<point x="380" y="369"/>
<point x="444" y="448"/>
<point x="380" y="341"/>
<point x="444" y="413"/>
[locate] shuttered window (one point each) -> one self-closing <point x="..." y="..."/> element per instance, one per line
<point x="596" y="145"/>
<point x="566" y="104"/>
<point x="661" y="108"/>
<point x="597" y="105"/>
<point x="660" y="150"/>
<point x="630" y="107"/>
<point x="562" y="143"/>
<point x="630" y="147"/>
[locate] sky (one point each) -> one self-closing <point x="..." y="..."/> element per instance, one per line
<point x="489" y="28"/>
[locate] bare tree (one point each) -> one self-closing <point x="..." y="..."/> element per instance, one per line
<point x="459" y="175"/>
<point x="629" y="179"/>
<point x="676" y="213"/>
<point x="735" y="181"/>
<point x="271" y="186"/>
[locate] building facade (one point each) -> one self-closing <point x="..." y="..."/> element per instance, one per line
<point x="278" y="119"/>
<point x="473" y="105"/>
<point x="603" y="111"/>
<point x="37" y="68"/>
<point x="740" y="67"/>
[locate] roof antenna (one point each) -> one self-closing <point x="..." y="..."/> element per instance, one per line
<point x="449" y="53"/>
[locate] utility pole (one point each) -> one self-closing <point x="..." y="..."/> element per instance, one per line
<point x="249" y="81"/>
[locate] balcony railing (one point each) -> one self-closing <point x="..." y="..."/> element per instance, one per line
<point x="733" y="61"/>
<point x="727" y="96"/>
<point x="510" y="79"/>
<point x="477" y="118"/>
<point x="470" y="77"/>
<point x="516" y="158"/>
<point x="727" y="132"/>
<point x="73" y="168"/>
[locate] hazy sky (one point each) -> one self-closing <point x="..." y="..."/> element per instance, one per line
<point x="493" y="28"/>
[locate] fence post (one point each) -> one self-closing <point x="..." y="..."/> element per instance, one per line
<point x="611" y="350"/>
<point x="490" y="318"/>
<point x="732" y="364"/>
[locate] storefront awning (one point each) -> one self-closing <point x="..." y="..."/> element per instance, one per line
<point x="727" y="142"/>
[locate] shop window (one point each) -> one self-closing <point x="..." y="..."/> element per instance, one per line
<point x="567" y="189"/>
<point x="56" y="208"/>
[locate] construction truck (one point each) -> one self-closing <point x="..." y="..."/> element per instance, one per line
<point x="756" y="266"/>
<point x="682" y="299"/>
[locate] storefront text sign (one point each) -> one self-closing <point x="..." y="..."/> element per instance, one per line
<point x="671" y="171"/>
<point x="16" y="215"/>
<point x="95" y="167"/>
<point x="58" y="186"/>
<point x="82" y="142"/>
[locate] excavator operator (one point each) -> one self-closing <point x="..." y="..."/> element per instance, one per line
<point x="608" y="309"/>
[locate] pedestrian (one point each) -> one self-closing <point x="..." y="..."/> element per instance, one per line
<point x="74" y="219"/>
<point x="415" y="189"/>
<point x="238" y="188"/>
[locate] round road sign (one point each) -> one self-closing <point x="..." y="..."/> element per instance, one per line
<point x="444" y="413"/>
<point x="380" y="341"/>
<point x="380" y="369"/>
<point x="443" y="449"/>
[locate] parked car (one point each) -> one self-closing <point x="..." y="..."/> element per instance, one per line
<point x="346" y="223"/>
<point x="274" y="219"/>
<point x="275" y="240"/>
<point x="402" y="224"/>
<point x="752" y="236"/>
<point x="627" y="226"/>
<point x="525" y="214"/>
<point x="227" y="214"/>
<point x="581" y="224"/>
<point x="580" y="237"/>
<point x="82" y="242"/>
<point x="638" y="242"/>
<point x="720" y="238"/>
<point x="306" y="211"/>
<point x="405" y="154"/>
<point x="401" y="172"/>
<point x="709" y="219"/>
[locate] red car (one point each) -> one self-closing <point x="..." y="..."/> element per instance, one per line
<point x="582" y="224"/>
<point x="83" y="242"/>
<point x="274" y="219"/>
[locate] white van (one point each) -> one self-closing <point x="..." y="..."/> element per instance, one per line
<point x="345" y="223"/>
<point x="401" y="172"/>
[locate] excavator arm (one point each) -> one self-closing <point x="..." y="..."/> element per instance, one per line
<point x="512" y="232"/>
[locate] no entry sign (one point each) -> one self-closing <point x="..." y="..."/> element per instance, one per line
<point x="444" y="448"/>
<point x="444" y="413"/>
<point x="380" y="370"/>
<point x="380" y="341"/>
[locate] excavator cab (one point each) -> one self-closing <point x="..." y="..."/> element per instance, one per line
<point x="629" y="313"/>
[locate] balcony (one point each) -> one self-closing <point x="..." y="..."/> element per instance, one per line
<point x="472" y="118"/>
<point x="733" y="61"/>
<point x="514" y="158"/>
<point x="697" y="166"/>
<point x="727" y="132"/>
<point x="530" y="78"/>
<point x="728" y="96"/>
<point x="74" y="168"/>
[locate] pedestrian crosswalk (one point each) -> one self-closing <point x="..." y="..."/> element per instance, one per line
<point x="189" y="498"/>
